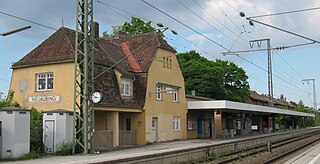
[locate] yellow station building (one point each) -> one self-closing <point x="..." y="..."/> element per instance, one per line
<point x="143" y="97"/>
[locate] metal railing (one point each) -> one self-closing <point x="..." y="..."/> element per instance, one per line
<point x="103" y="139"/>
<point x="128" y="137"/>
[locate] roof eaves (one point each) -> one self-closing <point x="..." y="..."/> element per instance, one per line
<point x="37" y="64"/>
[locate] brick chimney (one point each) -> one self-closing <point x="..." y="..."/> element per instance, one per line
<point x="95" y="29"/>
<point x="119" y="34"/>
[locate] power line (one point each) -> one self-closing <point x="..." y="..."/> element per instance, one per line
<point x="291" y="46"/>
<point x="226" y="15"/>
<point x="105" y="5"/>
<point x="237" y="35"/>
<point x="36" y="23"/>
<point x="4" y="80"/>
<point x="185" y="25"/>
<point x="235" y="40"/>
<point x="289" y="65"/>
<point x="286" y="12"/>
<point x="114" y="7"/>
<point x="212" y="40"/>
<point x="215" y="42"/>
<point x="6" y="69"/>
<point x="273" y="74"/>
<point x="231" y="6"/>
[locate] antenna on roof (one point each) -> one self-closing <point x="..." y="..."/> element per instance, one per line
<point x="62" y="25"/>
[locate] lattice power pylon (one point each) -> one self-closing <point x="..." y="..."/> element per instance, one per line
<point x="83" y="114"/>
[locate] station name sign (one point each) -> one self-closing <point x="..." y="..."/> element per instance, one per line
<point x="36" y="99"/>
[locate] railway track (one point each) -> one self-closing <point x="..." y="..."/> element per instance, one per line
<point x="285" y="154"/>
<point x="296" y="143"/>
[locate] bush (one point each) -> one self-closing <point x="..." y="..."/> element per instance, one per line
<point x="31" y="155"/>
<point x="64" y="148"/>
<point x="9" y="101"/>
<point x="36" y="131"/>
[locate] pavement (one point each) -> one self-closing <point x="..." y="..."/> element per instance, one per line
<point x="310" y="156"/>
<point x="139" y="151"/>
<point x="127" y="153"/>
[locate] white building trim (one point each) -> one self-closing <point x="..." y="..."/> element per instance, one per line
<point x="230" y="105"/>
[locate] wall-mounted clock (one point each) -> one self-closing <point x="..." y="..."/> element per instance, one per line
<point x="96" y="97"/>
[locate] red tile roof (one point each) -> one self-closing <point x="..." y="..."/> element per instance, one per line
<point x="131" y="59"/>
<point x="59" y="48"/>
<point x="143" y="46"/>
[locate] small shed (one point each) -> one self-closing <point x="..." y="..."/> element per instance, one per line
<point x="57" y="128"/>
<point x="14" y="132"/>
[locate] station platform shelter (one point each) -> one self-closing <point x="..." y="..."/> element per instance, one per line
<point x="227" y="119"/>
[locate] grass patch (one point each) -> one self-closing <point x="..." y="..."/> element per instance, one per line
<point x="65" y="148"/>
<point x="27" y="156"/>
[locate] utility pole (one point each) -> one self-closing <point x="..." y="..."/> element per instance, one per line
<point x="270" y="83"/>
<point x="314" y="95"/>
<point x="83" y="113"/>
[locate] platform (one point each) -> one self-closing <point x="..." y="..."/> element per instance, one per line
<point x="143" y="151"/>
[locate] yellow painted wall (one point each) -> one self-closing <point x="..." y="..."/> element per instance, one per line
<point x="63" y="85"/>
<point x="165" y="109"/>
<point x="137" y="124"/>
<point x="113" y="124"/>
<point x="192" y="134"/>
<point x="218" y="123"/>
<point x="101" y="120"/>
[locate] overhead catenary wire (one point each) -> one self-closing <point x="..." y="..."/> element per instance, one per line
<point x="218" y="44"/>
<point x="286" y="12"/>
<point x="303" y="44"/>
<point x="242" y="32"/>
<point x="204" y="51"/>
<point x="6" y="69"/>
<point x="297" y="45"/>
<point x="122" y="59"/>
<point x="226" y="15"/>
<point x="273" y="74"/>
<point x="235" y="40"/>
<point x="202" y="35"/>
<point x="112" y="8"/>
<point x="117" y="8"/>
<point x="237" y="35"/>
<point x="211" y="40"/>
<point x="30" y="21"/>
<point x="4" y="80"/>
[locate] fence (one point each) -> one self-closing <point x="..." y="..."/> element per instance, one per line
<point x="128" y="137"/>
<point x="103" y="139"/>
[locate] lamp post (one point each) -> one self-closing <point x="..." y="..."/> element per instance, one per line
<point x="15" y="31"/>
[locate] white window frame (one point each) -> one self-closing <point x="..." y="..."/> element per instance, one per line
<point x="45" y="77"/>
<point x="168" y="90"/>
<point x="125" y="86"/>
<point x="176" y="124"/>
<point x="175" y="96"/>
<point x="158" y="92"/>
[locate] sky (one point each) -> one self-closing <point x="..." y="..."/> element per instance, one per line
<point x="207" y="26"/>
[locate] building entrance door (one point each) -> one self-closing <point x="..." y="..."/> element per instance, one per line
<point x="49" y="136"/>
<point x="154" y="129"/>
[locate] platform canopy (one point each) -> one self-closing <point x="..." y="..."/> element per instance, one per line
<point x="236" y="106"/>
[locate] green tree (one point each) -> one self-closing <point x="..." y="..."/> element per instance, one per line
<point x="219" y="79"/>
<point x="136" y="26"/>
<point x="300" y="107"/>
<point x="36" y="131"/>
<point x="9" y="101"/>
